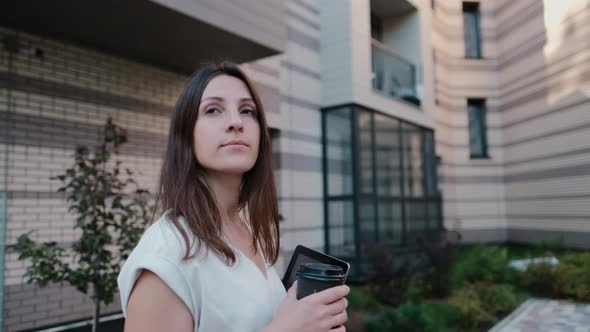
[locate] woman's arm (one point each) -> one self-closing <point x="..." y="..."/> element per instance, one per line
<point x="153" y="306"/>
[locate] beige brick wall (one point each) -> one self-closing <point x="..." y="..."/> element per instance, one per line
<point x="50" y="105"/>
<point x="61" y="100"/>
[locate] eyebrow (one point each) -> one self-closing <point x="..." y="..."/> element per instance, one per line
<point x="221" y="99"/>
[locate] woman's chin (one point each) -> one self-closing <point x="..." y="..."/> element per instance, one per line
<point x="234" y="169"/>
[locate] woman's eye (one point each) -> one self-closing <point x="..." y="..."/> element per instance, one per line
<point x="211" y="110"/>
<point x="248" y="111"/>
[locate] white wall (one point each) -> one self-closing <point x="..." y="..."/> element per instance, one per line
<point x="346" y="60"/>
<point x="402" y="35"/>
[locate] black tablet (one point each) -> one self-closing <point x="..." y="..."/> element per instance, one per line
<point x="305" y="255"/>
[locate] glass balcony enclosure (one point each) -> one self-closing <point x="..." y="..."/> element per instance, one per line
<point x="380" y="182"/>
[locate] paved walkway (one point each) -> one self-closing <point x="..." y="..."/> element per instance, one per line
<point x="537" y="315"/>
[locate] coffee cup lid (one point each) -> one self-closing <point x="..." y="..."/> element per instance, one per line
<point x="320" y="270"/>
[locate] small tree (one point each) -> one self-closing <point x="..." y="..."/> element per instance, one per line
<point x="112" y="213"/>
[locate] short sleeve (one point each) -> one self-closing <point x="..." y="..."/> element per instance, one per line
<point x="161" y="250"/>
<point x="170" y="273"/>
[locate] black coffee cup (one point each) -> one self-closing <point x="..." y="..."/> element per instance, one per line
<point x="316" y="277"/>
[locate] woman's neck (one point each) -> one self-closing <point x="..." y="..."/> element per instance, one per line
<point x="226" y="190"/>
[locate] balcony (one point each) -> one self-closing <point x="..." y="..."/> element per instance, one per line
<point x="174" y="35"/>
<point x="392" y="74"/>
<point x="396" y="50"/>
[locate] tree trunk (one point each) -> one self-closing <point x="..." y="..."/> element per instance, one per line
<point x="97" y="310"/>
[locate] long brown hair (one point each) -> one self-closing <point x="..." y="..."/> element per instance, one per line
<point x="183" y="185"/>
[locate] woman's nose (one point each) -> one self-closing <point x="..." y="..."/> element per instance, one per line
<point x="235" y="121"/>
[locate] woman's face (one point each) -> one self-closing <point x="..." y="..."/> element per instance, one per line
<point x="226" y="136"/>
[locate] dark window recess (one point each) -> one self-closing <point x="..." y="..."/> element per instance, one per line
<point x="274" y="141"/>
<point x="478" y="141"/>
<point x="275" y="136"/>
<point x="472" y="31"/>
<point x="376" y="27"/>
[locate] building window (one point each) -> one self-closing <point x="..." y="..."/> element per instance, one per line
<point x="478" y="141"/>
<point x="439" y="174"/>
<point x="380" y="183"/>
<point x="472" y="33"/>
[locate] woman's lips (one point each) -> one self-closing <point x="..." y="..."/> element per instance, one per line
<point x="236" y="143"/>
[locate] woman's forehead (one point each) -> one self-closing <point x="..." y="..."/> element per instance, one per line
<point x="226" y="87"/>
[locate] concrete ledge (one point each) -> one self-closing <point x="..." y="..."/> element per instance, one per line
<point x="569" y="238"/>
<point x="483" y="235"/>
<point x="526" y="236"/>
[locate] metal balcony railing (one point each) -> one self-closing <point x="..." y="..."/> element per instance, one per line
<point x="392" y="74"/>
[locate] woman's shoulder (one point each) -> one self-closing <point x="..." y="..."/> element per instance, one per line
<point x="165" y="238"/>
<point x="161" y="250"/>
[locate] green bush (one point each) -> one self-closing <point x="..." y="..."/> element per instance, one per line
<point x="539" y="279"/>
<point x="361" y="298"/>
<point x="444" y="315"/>
<point x="391" y="272"/>
<point x="418" y="288"/>
<point x="483" y="263"/>
<point x="513" y="277"/>
<point x="381" y="322"/>
<point x="441" y="252"/>
<point x="573" y="277"/>
<point x="500" y="300"/>
<point x="410" y="317"/>
<point x="550" y="246"/>
<point x="473" y="312"/>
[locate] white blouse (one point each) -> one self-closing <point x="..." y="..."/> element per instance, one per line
<point x="220" y="297"/>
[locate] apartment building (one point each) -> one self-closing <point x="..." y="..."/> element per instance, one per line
<point x="380" y="173"/>
<point x="389" y="118"/>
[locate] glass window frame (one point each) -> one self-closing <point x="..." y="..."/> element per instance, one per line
<point x="477" y="107"/>
<point x="473" y="45"/>
<point x="431" y="198"/>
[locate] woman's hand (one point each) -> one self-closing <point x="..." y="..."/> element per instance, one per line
<point x="320" y="312"/>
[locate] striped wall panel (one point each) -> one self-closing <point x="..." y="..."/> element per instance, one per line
<point x="534" y="76"/>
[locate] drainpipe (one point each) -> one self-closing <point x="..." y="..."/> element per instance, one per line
<point x="8" y="45"/>
<point x="3" y="219"/>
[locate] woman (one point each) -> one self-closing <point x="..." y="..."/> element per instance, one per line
<point x="207" y="264"/>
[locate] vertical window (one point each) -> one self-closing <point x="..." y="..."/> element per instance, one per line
<point x="439" y="175"/>
<point x="478" y="141"/>
<point x="338" y="169"/>
<point x="472" y="34"/>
